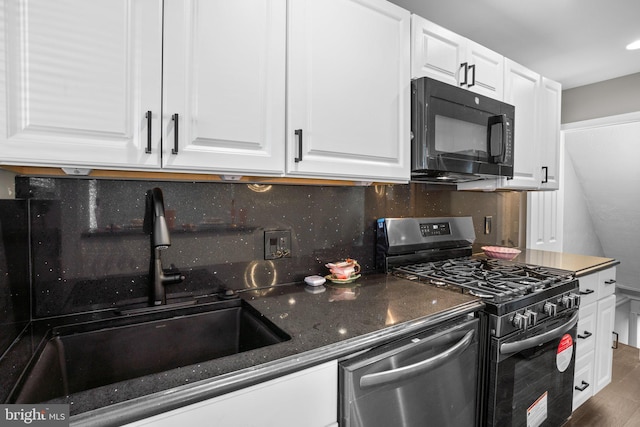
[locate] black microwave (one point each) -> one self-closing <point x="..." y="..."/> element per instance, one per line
<point x="458" y="135"/>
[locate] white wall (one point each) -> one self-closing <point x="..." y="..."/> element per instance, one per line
<point x="602" y="204"/>
<point x="603" y="99"/>
<point x="578" y="235"/>
<point x="602" y="197"/>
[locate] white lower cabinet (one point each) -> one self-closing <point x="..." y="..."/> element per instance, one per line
<point x="594" y="355"/>
<point x="305" y="398"/>
<point x="604" y="340"/>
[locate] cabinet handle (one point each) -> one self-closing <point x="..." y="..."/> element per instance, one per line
<point x="587" y="292"/>
<point x="464" y="65"/>
<point x="298" y="133"/>
<point x="491" y="122"/>
<point x="586" y="335"/>
<point x="148" y="116"/>
<point x="175" y="119"/>
<point x="615" y="345"/>
<point x="473" y="75"/>
<point x="583" y="386"/>
<point x="546" y="174"/>
<point x="609" y="282"/>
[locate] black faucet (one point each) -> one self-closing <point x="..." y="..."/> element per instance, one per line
<point x="155" y="225"/>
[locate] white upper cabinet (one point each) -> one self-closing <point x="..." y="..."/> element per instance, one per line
<point x="536" y="128"/>
<point x="80" y="97"/>
<point x="224" y="81"/>
<point x="446" y="56"/>
<point x="348" y="90"/>
<point x="522" y="88"/>
<point x="549" y="116"/>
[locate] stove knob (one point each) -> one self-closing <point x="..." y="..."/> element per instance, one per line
<point x="575" y="298"/>
<point x="520" y="321"/>
<point x="571" y="300"/>
<point x="550" y="309"/>
<point x="532" y="317"/>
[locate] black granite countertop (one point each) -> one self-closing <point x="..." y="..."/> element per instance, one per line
<point x="323" y="326"/>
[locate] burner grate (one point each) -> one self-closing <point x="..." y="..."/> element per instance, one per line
<point x="494" y="280"/>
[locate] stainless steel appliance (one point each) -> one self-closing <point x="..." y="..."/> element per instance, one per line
<point x="531" y="313"/>
<point x="458" y="135"/>
<point x="427" y="379"/>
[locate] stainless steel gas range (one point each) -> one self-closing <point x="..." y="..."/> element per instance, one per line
<point x="531" y="313"/>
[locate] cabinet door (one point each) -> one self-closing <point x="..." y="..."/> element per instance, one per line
<point x="583" y="379"/>
<point x="224" y="78"/>
<point x="348" y="90"/>
<point x="521" y="90"/>
<point x="544" y="220"/>
<point x="549" y="114"/>
<point x="488" y="74"/>
<point x="305" y="398"/>
<point x="604" y="340"/>
<point x="79" y="78"/>
<point x="436" y="52"/>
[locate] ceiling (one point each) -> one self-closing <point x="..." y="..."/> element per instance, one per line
<point x="575" y="42"/>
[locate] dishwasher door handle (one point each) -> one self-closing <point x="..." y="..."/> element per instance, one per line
<point x="410" y="371"/>
<point x="515" y="347"/>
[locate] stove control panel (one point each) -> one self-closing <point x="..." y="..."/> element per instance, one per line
<point x="535" y="314"/>
<point x="431" y="229"/>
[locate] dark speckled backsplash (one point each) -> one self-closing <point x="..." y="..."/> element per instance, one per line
<point x="89" y="251"/>
<point x="14" y="270"/>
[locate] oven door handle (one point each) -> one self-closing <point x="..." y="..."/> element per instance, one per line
<point x="410" y="371"/>
<point x="515" y="347"/>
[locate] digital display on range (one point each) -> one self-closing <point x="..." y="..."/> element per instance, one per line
<point x="435" y="229"/>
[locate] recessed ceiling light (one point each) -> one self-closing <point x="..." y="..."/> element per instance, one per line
<point x="633" y="46"/>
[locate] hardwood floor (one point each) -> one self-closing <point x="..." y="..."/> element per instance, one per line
<point x="618" y="404"/>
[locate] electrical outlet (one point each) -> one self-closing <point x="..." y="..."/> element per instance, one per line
<point x="277" y="244"/>
<point x="487" y="224"/>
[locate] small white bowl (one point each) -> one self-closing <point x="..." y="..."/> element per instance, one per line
<point x="315" y="280"/>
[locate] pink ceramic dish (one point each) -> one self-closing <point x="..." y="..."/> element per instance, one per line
<point x="500" y="252"/>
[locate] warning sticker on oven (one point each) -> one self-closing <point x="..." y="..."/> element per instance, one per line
<point x="565" y="352"/>
<point x="537" y="413"/>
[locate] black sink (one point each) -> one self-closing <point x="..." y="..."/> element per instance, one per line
<point x="83" y="356"/>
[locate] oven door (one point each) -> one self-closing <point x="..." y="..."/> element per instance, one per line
<point x="531" y="374"/>
<point x="426" y="379"/>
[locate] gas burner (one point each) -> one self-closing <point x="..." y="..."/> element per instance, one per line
<point x="495" y="280"/>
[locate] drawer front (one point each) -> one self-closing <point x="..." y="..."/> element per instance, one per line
<point x="607" y="282"/>
<point x="586" y="336"/>
<point x="588" y="289"/>
<point x="583" y="380"/>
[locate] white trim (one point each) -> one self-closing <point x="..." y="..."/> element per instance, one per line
<point x="602" y="121"/>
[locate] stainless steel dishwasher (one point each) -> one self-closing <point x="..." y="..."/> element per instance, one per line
<point x="428" y="379"/>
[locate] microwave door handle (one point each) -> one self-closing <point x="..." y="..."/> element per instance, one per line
<point x="410" y="371"/>
<point x="515" y="347"/>
<point x="494" y="120"/>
